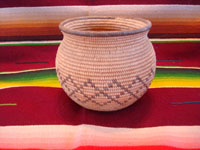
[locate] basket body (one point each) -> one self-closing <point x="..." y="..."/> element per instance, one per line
<point x="105" y="73"/>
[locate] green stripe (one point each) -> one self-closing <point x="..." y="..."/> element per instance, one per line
<point x="43" y="75"/>
<point x="178" y="73"/>
<point x="57" y="43"/>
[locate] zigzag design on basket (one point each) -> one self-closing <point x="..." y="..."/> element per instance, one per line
<point x="79" y="89"/>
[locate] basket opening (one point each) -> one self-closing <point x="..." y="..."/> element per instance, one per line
<point x="104" y="26"/>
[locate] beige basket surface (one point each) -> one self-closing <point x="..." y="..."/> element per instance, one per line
<point x="105" y="63"/>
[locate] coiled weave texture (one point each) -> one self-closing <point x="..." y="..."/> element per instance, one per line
<point x="105" y="73"/>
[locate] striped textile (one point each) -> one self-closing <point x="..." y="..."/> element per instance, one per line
<point x="71" y="137"/>
<point x="36" y="114"/>
<point x="40" y="22"/>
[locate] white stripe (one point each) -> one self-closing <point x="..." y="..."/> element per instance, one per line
<point x="149" y="11"/>
<point x="41" y="13"/>
<point x="64" y="12"/>
<point x="30" y="42"/>
<point x="29" y="70"/>
<point x="41" y="69"/>
<point x="7" y="87"/>
<point x="176" y="39"/>
<point x="176" y="67"/>
<point x="69" y="137"/>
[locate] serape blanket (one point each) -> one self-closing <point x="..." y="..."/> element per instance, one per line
<point x="36" y="114"/>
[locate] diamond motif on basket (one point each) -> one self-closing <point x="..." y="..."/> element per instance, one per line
<point x="79" y="88"/>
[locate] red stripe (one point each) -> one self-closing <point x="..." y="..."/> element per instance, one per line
<point x="37" y="37"/>
<point x="187" y="54"/>
<point x="166" y="34"/>
<point x="52" y="106"/>
<point x="59" y="36"/>
<point x="10" y="55"/>
<point x="130" y="148"/>
<point x="121" y="148"/>
<point x="32" y="3"/>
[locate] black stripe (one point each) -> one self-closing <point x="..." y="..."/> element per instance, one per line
<point x="169" y="59"/>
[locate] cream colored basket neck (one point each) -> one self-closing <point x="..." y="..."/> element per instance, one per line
<point x="96" y="43"/>
<point x="104" y="26"/>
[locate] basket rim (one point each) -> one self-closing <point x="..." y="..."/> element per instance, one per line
<point x="104" y="33"/>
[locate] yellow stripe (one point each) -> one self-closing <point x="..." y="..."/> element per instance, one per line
<point x="53" y="82"/>
<point x="157" y="83"/>
<point x="174" y="82"/>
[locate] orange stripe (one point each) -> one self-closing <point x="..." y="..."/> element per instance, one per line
<point x="30" y="24"/>
<point x="29" y="31"/>
<point x="51" y="28"/>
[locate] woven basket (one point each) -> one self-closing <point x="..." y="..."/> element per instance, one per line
<point x="105" y="63"/>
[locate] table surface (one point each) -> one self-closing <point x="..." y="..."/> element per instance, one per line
<point x="35" y="113"/>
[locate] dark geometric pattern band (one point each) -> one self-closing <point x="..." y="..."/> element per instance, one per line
<point x="79" y="88"/>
